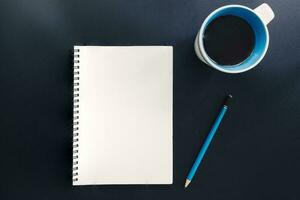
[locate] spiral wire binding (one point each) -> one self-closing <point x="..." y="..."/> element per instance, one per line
<point x="75" y="114"/>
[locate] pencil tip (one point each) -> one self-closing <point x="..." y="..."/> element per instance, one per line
<point x="187" y="182"/>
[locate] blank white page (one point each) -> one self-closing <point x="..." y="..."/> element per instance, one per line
<point x="125" y="115"/>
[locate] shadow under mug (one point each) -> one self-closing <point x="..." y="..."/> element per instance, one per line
<point x="257" y="19"/>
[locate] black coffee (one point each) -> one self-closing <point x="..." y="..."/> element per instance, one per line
<point x="229" y="40"/>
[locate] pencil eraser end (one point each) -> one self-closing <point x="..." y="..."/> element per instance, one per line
<point x="228" y="100"/>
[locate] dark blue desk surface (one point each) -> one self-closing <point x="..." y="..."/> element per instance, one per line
<point x="256" y="153"/>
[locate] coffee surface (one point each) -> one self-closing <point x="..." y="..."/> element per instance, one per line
<point x="229" y="40"/>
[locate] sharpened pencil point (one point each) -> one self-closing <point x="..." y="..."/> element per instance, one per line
<point x="187" y="182"/>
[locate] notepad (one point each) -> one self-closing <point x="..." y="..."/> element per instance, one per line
<point x="122" y="132"/>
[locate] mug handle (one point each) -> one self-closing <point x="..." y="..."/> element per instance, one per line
<point x="265" y="12"/>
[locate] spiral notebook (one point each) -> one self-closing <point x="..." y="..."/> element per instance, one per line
<point x="122" y="130"/>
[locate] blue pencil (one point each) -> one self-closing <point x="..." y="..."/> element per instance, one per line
<point x="207" y="141"/>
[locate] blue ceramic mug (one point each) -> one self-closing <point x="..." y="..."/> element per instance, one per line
<point x="257" y="19"/>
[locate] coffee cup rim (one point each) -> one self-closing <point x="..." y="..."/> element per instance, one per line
<point x="210" y="61"/>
